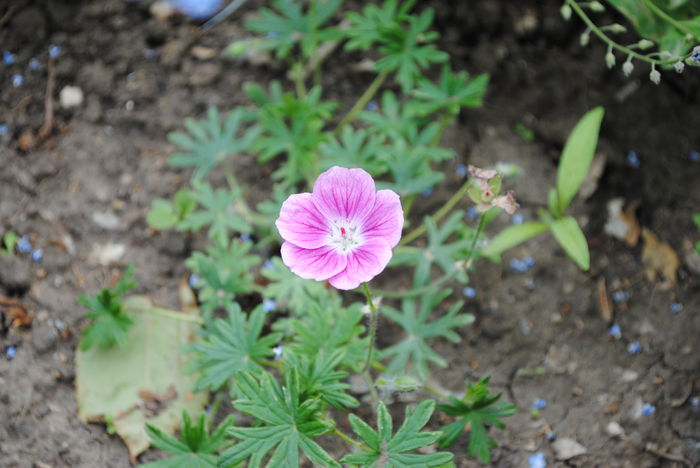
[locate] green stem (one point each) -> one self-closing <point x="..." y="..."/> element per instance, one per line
<point x="350" y="440"/>
<point x="603" y="37"/>
<point x="297" y="72"/>
<point x="171" y="314"/>
<point x="439" y="214"/>
<point x="370" y="385"/>
<point x="436" y="393"/>
<point x="445" y="121"/>
<point x="664" y="16"/>
<point x="407" y="206"/>
<point x="362" y="101"/>
<point x="416" y="291"/>
<point x="215" y="406"/>
<point x="482" y="223"/>
<point x="372" y="326"/>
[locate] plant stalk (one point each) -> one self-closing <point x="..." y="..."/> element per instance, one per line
<point x="362" y="101"/>
<point x="372" y="326"/>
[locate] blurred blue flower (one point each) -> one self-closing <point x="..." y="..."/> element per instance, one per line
<point x="17" y="80"/>
<point x="469" y="292"/>
<point x="648" y="409"/>
<point x="193" y="280"/>
<point x="427" y="192"/>
<point x="695" y="401"/>
<point x="34" y="64"/>
<point x="517" y="218"/>
<point x="277" y="350"/>
<point x="522" y="265"/>
<point x="551" y="436"/>
<point x="676" y="307"/>
<point x="149" y="54"/>
<point x="3" y="129"/>
<point x="23" y="245"/>
<point x="245" y="237"/>
<point x="37" y="255"/>
<point x="461" y="170"/>
<point x="198" y="9"/>
<point x="8" y="58"/>
<point x="633" y="159"/>
<point x="694" y="156"/>
<point x="634" y="348"/>
<point x="268" y="265"/>
<point x="539" y="404"/>
<point x="372" y="106"/>
<point x="11" y="352"/>
<point x="537" y="461"/>
<point x="620" y="296"/>
<point x="269" y="305"/>
<point x="472" y="212"/>
<point x="615" y="331"/>
<point x="54" y="50"/>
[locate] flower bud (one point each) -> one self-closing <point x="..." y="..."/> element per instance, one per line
<point x="596" y="6"/>
<point x="565" y="11"/>
<point x="644" y="44"/>
<point x="610" y="59"/>
<point x="627" y="68"/>
<point x="655" y="76"/>
<point x="679" y="66"/>
<point x="585" y="38"/>
<point x="695" y="55"/>
<point x="617" y="28"/>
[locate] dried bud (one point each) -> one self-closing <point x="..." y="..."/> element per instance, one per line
<point x="596" y="6"/>
<point x="506" y="203"/>
<point x="485" y="174"/>
<point x="610" y="59"/>
<point x="565" y="11"/>
<point x="644" y="44"/>
<point x="655" y="76"/>
<point x="679" y="66"/>
<point x="627" y="67"/>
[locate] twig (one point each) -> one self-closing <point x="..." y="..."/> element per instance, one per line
<point x="47" y="126"/>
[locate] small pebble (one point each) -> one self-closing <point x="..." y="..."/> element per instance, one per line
<point x="633" y="159"/>
<point x="537" y="461"/>
<point x="648" y="409"/>
<point x="8" y="58"/>
<point x="517" y="218"/>
<point x="10" y="352"/>
<point x="372" y="106"/>
<point x="23" y="245"/>
<point x="37" y="255"/>
<point x="17" y="80"/>
<point x="472" y="212"/>
<point x="469" y="292"/>
<point x="694" y="156"/>
<point x="676" y="307"/>
<point x="615" y="331"/>
<point x="193" y="280"/>
<point x="3" y="129"/>
<point x="613" y="429"/>
<point x="70" y="97"/>
<point x="59" y="324"/>
<point x="620" y="296"/>
<point x="539" y="404"/>
<point x="269" y="305"/>
<point x="54" y="50"/>
<point x="461" y="170"/>
<point x="34" y="64"/>
<point x="277" y="350"/>
<point x="634" y="348"/>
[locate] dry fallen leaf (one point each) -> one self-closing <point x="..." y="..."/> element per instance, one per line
<point x="604" y="304"/>
<point x="622" y="223"/>
<point x="659" y="258"/>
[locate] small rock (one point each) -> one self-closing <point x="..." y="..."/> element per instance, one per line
<point x="560" y="359"/>
<point x="202" y="53"/>
<point x="106" y="254"/>
<point x="106" y="220"/>
<point x="70" y="97"/>
<point x="629" y="376"/>
<point x="162" y="10"/>
<point x="613" y="429"/>
<point x="205" y="74"/>
<point x="44" y="338"/>
<point x="566" y="448"/>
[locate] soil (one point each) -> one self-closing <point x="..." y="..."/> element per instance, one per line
<point x="539" y="333"/>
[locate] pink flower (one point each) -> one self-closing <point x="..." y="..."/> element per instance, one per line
<point x="343" y="231"/>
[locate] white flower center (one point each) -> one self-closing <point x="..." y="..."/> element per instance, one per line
<point x="345" y="235"/>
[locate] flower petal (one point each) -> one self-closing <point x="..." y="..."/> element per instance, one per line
<point x="318" y="264"/>
<point x="386" y="218"/>
<point x="346" y="194"/>
<point x="363" y="264"/>
<point x="301" y="223"/>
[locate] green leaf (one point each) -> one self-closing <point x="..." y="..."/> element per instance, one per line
<point x="569" y="235"/>
<point x="162" y="215"/>
<point x="477" y="408"/>
<point x="225" y="270"/>
<point x="292" y="291"/>
<point x="413" y="351"/>
<point x="512" y="236"/>
<point x="577" y="156"/>
<point x="390" y="450"/>
<point x="452" y="92"/>
<point x="108" y="323"/>
<point x="354" y="149"/>
<point x="229" y="346"/>
<point x="319" y="378"/>
<point x="9" y="240"/>
<point x="287" y="424"/>
<point x="196" y="447"/>
<point x="125" y="384"/>
<point x="209" y="143"/>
